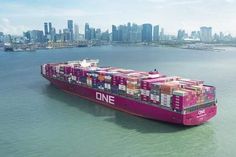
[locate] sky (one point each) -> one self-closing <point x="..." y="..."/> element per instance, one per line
<point x="17" y="16"/>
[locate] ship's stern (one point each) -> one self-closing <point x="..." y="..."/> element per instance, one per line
<point x="200" y="116"/>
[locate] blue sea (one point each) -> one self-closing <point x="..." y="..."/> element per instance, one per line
<point x="39" y="120"/>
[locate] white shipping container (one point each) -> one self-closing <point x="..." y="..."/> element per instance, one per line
<point x="157" y="98"/>
<point x="89" y="82"/>
<point x="107" y="86"/>
<point x="58" y="68"/>
<point x="145" y="92"/>
<point x="108" y="77"/>
<point x="179" y="93"/>
<point x="152" y="97"/>
<point x="132" y="91"/>
<point x="142" y="91"/>
<point x="166" y="100"/>
<point x="122" y="87"/>
<point x="44" y="69"/>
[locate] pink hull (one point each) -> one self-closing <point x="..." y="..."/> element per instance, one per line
<point x="137" y="108"/>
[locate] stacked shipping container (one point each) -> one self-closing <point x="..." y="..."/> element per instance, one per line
<point x="171" y="92"/>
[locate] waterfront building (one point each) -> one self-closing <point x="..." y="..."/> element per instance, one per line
<point x="195" y="35"/>
<point x="53" y="34"/>
<point x="1" y="37"/>
<point x="76" y="30"/>
<point x="125" y="33"/>
<point x="45" y="28"/>
<point x="114" y="33"/>
<point x="26" y="36"/>
<point x="221" y="36"/>
<point x="206" y="34"/>
<point x="50" y="27"/>
<point x="66" y="35"/>
<point x="181" y="35"/>
<point x="36" y="36"/>
<point x="71" y="29"/>
<point x="98" y="34"/>
<point x="87" y="32"/>
<point x="147" y="33"/>
<point x="162" y="34"/>
<point x="136" y="33"/>
<point x="105" y="36"/>
<point x="92" y="34"/>
<point x="156" y="33"/>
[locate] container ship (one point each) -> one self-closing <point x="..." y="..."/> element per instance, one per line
<point x="150" y="95"/>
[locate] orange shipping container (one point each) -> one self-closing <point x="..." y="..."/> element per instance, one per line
<point x="101" y="78"/>
<point x="168" y="88"/>
<point x="131" y="86"/>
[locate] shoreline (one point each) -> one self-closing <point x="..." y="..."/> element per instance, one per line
<point x="189" y="46"/>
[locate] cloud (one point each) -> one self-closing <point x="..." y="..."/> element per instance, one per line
<point x="230" y="1"/>
<point x="170" y="14"/>
<point x="8" y="28"/>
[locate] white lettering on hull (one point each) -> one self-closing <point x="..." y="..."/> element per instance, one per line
<point x="105" y="98"/>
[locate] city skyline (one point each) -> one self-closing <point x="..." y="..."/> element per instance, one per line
<point x="17" y="17"/>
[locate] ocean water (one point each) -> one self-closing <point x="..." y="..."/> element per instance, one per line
<point x="39" y="120"/>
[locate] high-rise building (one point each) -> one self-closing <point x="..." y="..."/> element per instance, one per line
<point x="105" y="36"/>
<point x="70" y="28"/>
<point x="120" y="33"/>
<point x="50" y="27"/>
<point x="1" y="37"/>
<point x="147" y="33"/>
<point x="156" y="33"/>
<point x="181" y="35"/>
<point x="195" y="35"/>
<point x="114" y="33"/>
<point x="222" y="36"/>
<point x="206" y="34"/>
<point x="36" y="36"/>
<point x="98" y="34"/>
<point x="26" y="36"/>
<point x="162" y="34"/>
<point x="92" y="33"/>
<point x="125" y="33"/>
<point x="76" y="36"/>
<point x="45" y="28"/>
<point x="87" y="32"/>
<point x="136" y="33"/>
<point x="66" y="35"/>
<point x="53" y="34"/>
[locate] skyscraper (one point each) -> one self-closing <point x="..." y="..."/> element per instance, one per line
<point x="114" y="33"/>
<point x="70" y="28"/>
<point x="147" y="33"/>
<point x="45" y="28"/>
<point x="181" y="35"/>
<point x="53" y="34"/>
<point x="162" y="34"/>
<point x="105" y="36"/>
<point x="1" y="37"/>
<point x="206" y="34"/>
<point x="66" y="35"/>
<point x="92" y="33"/>
<point x="36" y="36"/>
<point x="156" y="33"/>
<point x="98" y="34"/>
<point x="87" y="32"/>
<point x="50" y="27"/>
<point x="76" y="36"/>
<point x="136" y="33"/>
